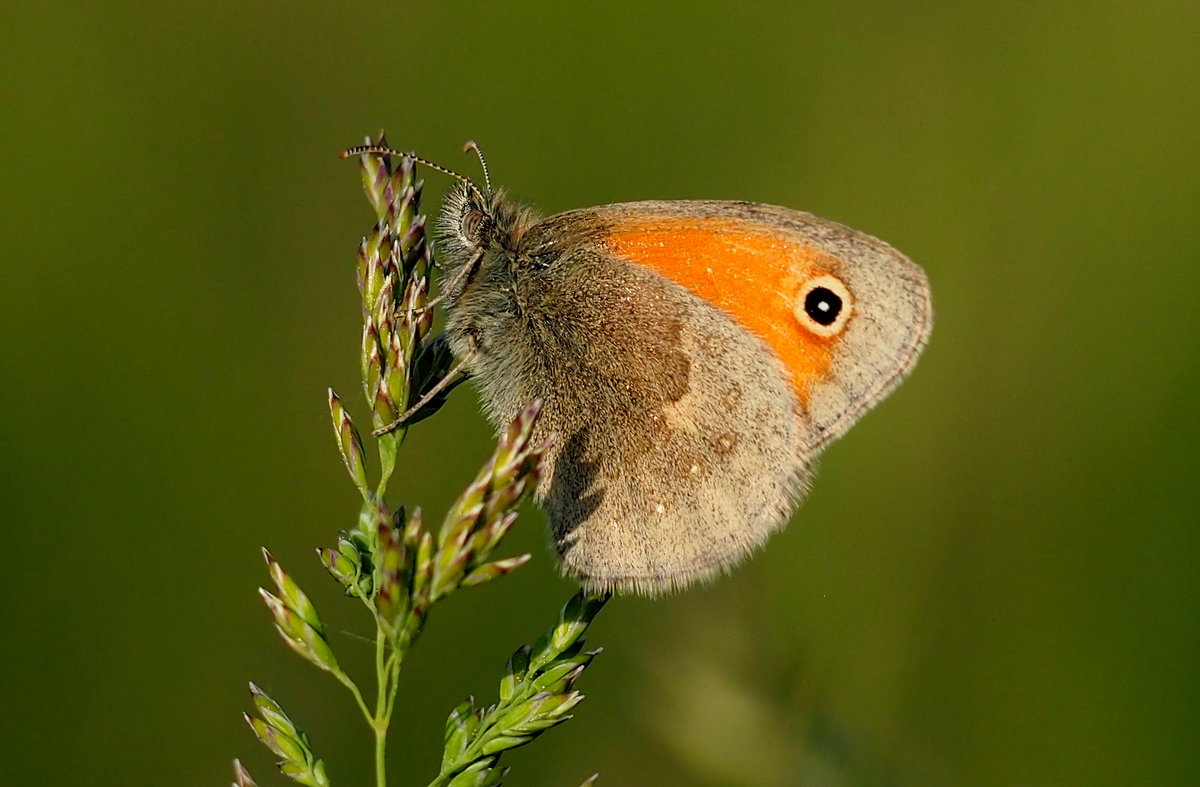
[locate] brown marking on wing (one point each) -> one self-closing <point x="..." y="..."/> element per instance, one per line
<point x="746" y="268"/>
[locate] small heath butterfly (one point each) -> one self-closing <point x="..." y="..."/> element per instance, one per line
<point x="694" y="359"/>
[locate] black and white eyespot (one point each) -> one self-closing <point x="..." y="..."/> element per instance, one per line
<point x="472" y="224"/>
<point x="823" y="305"/>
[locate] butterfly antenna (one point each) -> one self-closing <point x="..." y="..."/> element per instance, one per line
<point x="487" y="179"/>
<point x="383" y="150"/>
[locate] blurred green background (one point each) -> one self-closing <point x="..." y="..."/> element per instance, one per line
<point x="995" y="580"/>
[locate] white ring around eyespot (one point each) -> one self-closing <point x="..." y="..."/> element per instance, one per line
<point x="834" y="285"/>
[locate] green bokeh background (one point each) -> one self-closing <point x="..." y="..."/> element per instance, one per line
<point x="995" y="580"/>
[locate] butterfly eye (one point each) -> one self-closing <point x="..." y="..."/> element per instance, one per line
<point x="472" y="224"/>
<point x="824" y="305"/>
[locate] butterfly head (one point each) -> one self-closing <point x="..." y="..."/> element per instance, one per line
<point x="480" y="233"/>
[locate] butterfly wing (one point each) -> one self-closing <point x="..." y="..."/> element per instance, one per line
<point x="687" y="383"/>
<point x="754" y="262"/>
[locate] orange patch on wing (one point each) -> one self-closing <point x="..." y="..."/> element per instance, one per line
<point x="749" y="270"/>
